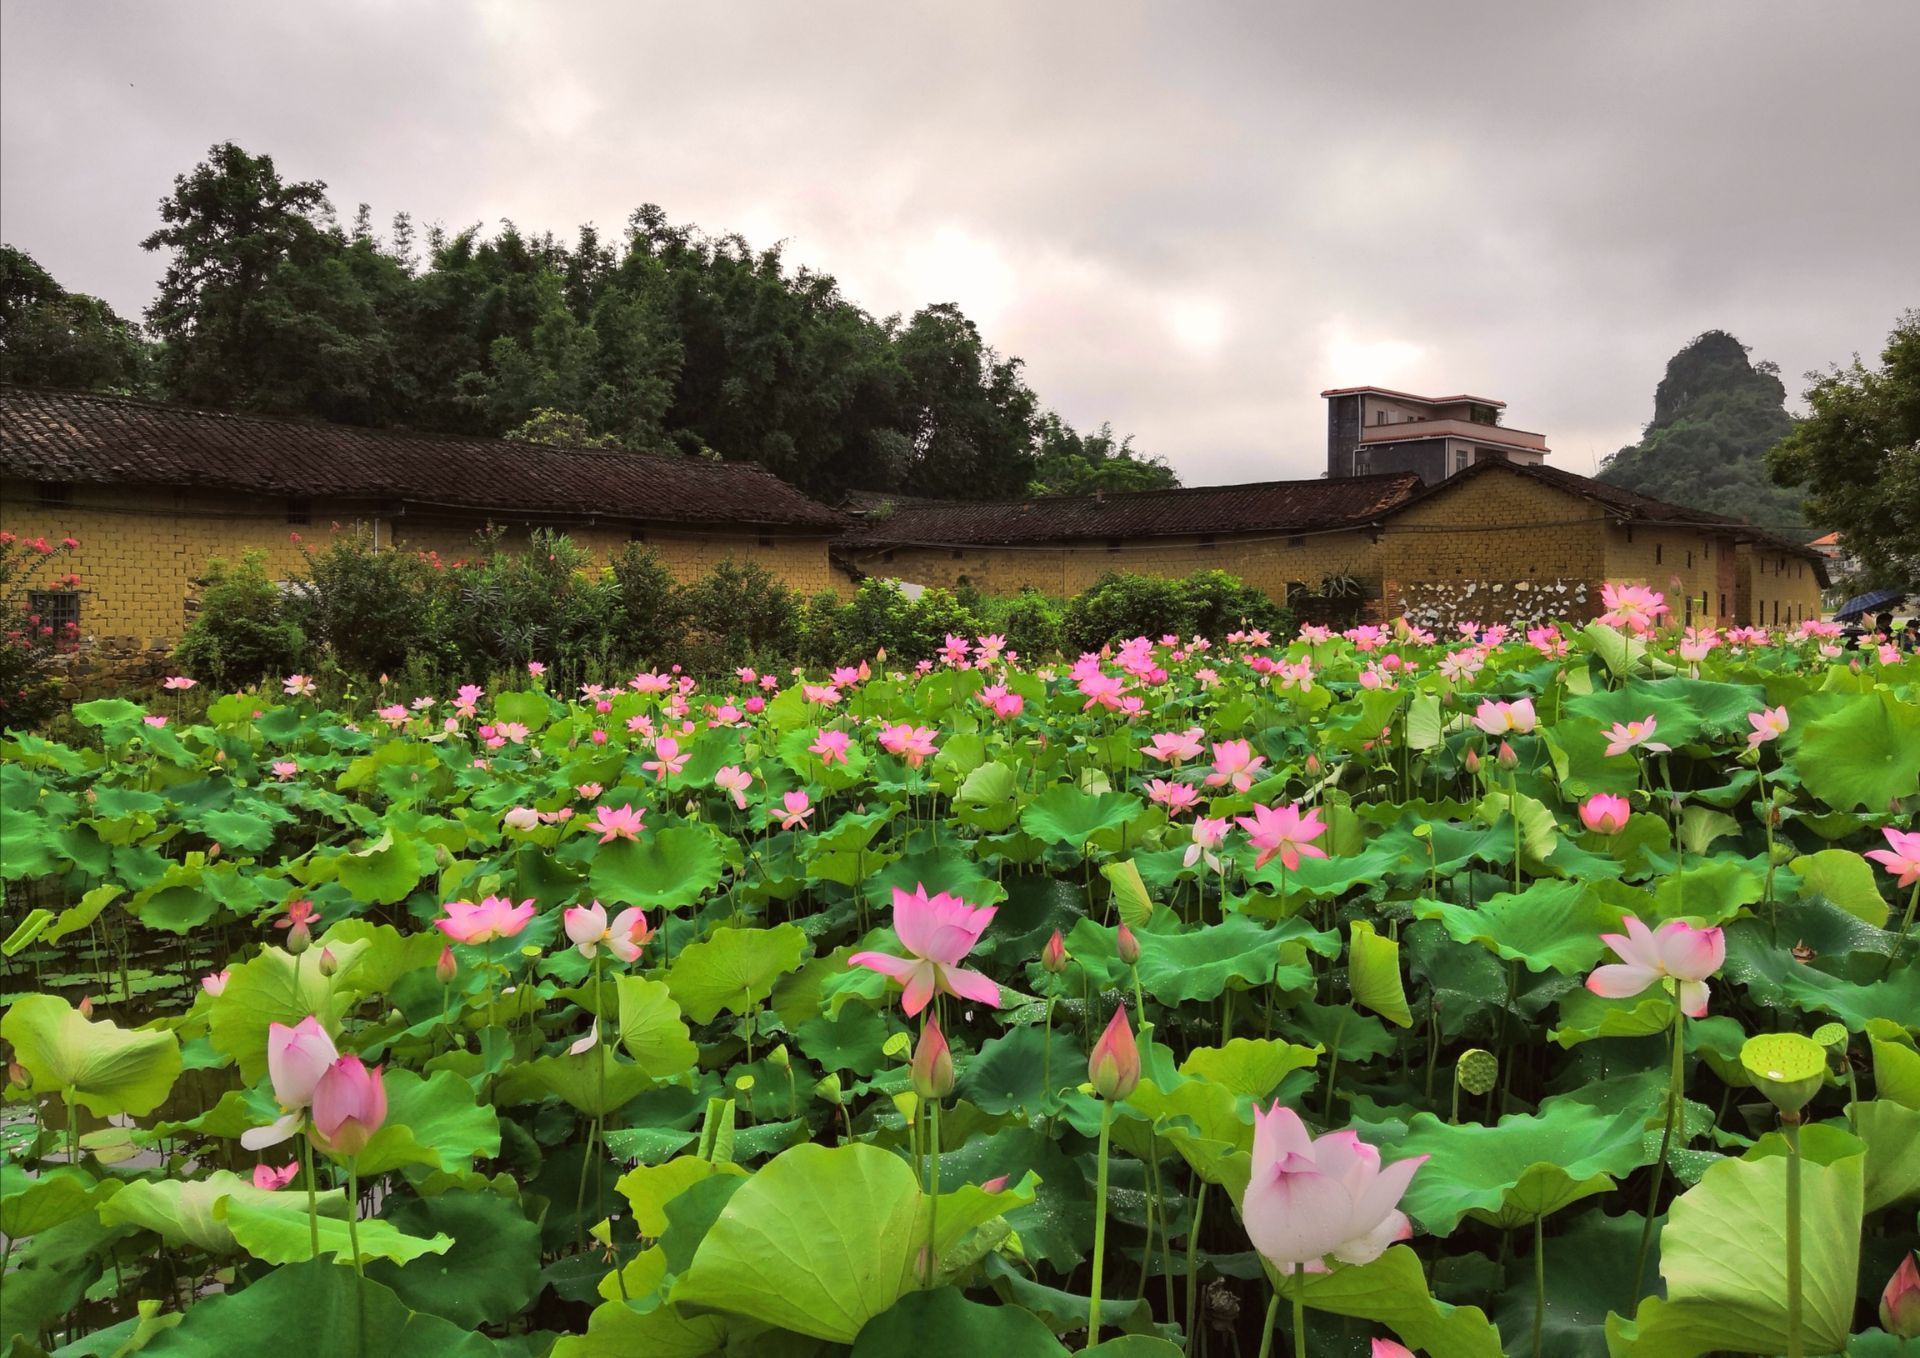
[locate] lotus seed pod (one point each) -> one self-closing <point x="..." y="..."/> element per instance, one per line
<point x="1832" y="1036"/>
<point x="1787" y="1067"/>
<point x="1478" y="1071"/>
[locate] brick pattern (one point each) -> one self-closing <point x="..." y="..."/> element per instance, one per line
<point x="142" y="549"/>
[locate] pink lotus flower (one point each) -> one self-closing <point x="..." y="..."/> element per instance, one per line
<point x="1500" y="718"/>
<point x="938" y="932"/>
<point x="1900" y="1300"/>
<point x="1605" y="814"/>
<point x="349" y="1106"/>
<point x="467" y="701"/>
<point x="521" y="818"/>
<point x="587" y="792"/>
<point x="215" y="983"/>
<point x="1634" y="607"/>
<point x="155" y="721"/>
<point x="734" y="781"/>
<point x="1053" y="954"/>
<point x="300" y="915"/>
<point x="1008" y="706"/>
<point x="1100" y="690"/>
<point x="798" y="806"/>
<point x="1625" y="735"/>
<point x="297" y="686"/>
<point x="1311" y="1197"/>
<point x="494" y="917"/>
<point x="1174" y="747"/>
<point x="1677" y="952"/>
<point x="446" y="968"/>
<point x="1387" y="1348"/>
<point x="178" y="682"/>
<point x="1284" y="831"/>
<point x="512" y="730"/>
<point x="587" y="928"/>
<point x="914" y="744"/>
<point x="296" y="1059"/>
<point x="668" y="759"/>
<point x="1208" y="834"/>
<point x="1903" y="858"/>
<point x="1176" y="797"/>
<point x="1113" y="1066"/>
<point x="535" y="668"/>
<point x="284" y="769"/>
<point x="394" y="715"/>
<point x="1235" y="763"/>
<point x="270" y="1179"/>
<point x="831" y="746"/>
<point x="932" y="1067"/>
<point x="611" y="824"/>
<point x="1768" y="724"/>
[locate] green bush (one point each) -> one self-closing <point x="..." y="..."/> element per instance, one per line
<point x="244" y="631"/>
<point x="739" y="614"/>
<point x="1034" y="625"/>
<point x="28" y="642"/>
<point x="881" y="616"/>
<point x="545" y="603"/>
<point x="1219" y="603"/>
<point x="369" y="608"/>
<point x="822" y="625"/>
<point x="649" y="610"/>
<point x="1211" y="603"/>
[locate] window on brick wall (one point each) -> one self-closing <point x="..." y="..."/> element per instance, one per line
<point x="1659" y="553"/>
<point x="766" y="542"/>
<point x="55" y="607"/>
<point x="1689" y="556"/>
<point x="299" y="511"/>
<point x="1207" y="542"/>
<point x="53" y="492"/>
<point x="1723" y="605"/>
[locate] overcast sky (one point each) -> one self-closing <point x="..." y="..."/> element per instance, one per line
<point x="1186" y="218"/>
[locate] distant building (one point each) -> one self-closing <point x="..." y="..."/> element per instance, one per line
<point x="1376" y="430"/>
<point x="153" y="491"/>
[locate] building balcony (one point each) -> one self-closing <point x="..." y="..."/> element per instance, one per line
<point x="1496" y="435"/>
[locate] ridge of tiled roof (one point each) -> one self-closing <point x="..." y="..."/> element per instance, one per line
<point x="89" y="437"/>
<point x="1262" y="506"/>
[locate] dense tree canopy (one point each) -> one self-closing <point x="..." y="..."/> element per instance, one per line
<point x="1858" y="455"/>
<point x="55" y="338"/>
<point x="666" y="340"/>
<point x="1715" y="415"/>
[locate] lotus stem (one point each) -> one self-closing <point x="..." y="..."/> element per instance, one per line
<point x="1796" y="1343"/>
<point x="1099" y="1224"/>
<point x="1299" y="1311"/>
<point x="1266" y="1328"/>
<point x="1193" y="1276"/>
<point x="1675" y="1081"/>
<point x="353" y="1212"/>
<point x="1540" y="1282"/>
<point x="933" y="1188"/>
<point x="313" y="1197"/>
<point x="1906" y="923"/>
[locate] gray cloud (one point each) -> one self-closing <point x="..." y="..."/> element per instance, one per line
<point x="1186" y="219"/>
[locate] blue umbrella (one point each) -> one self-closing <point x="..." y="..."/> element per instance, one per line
<point x="1861" y="604"/>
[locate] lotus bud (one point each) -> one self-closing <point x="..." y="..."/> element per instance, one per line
<point x="1900" y="1303"/>
<point x="1054" y="955"/>
<point x="17" y="1076"/>
<point x="997" y="1184"/>
<point x="1114" y="1066"/>
<point x="86" y="1006"/>
<point x="299" y="939"/>
<point x="932" y="1063"/>
<point x="329" y="964"/>
<point x="1478" y="1071"/>
<point x="213" y="851"/>
<point x="1313" y="765"/>
<point x="1127" y="946"/>
<point x="1506" y="758"/>
<point x="446" y="966"/>
<point x="1473" y="761"/>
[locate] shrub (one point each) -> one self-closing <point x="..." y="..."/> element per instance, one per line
<point x="881" y="616"/>
<point x="28" y="642"/>
<point x="1121" y="606"/>
<point x="244" y="631"/>
<point x="822" y="628"/>
<point x="1033" y="625"/>
<point x="649" y="612"/>
<point x="370" y="608"/>
<point x="739" y="614"/>
<point x="545" y="603"/>
<point x="1219" y="603"/>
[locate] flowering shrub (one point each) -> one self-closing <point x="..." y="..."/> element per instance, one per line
<point x="1464" y="995"/>
<point x="29" y="641"/>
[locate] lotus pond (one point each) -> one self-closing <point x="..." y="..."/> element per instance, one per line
<point x="1373" y="993"/>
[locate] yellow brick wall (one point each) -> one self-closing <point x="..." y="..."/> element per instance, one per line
<point x="1775" y="588"/>
<point x="1266" y="562"/>
<point x="142" y="548"/>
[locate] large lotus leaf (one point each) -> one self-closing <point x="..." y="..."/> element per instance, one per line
<point x="31" y="1205"/>
<point x="383" y="872"/>
<point x="1585" y="1016"/>
<point x="951" y="869"/>
<point x="821" y="1240"/>
<point x="1865" y="755"/>
<point x="314" y="1310"/>
<point x="276" y="987"/>
<point x="616" y="1330"/>
<point x="733" y="969"/>
<point x="109" y="1069"/>
<point x="1373" y="973"/>
<point x="186" y="1211"/>
<point x="649" y="1188"/>
<point x="1520" y="1168"/>
<point x="433" y="1122"/>
<point x="78" y="916"/>
<point x="1845" y="878"/>
<point x="1550" y="926"/>
<point x="1011" y="1072"/>
<point x="1711" y="892"/>
<point x="1892" y="1134"/>
<point x="595" y="1081"/>
<point x="1250" y="1067"/>
<point x="273" y="1235"/>
<point x="1724" y="1258"/>
<point x="490" y="1274"/>
<point x="651" y="1028"/>
<point x="1066" y="815"/>
<point x="671" y="867"/>
<point x="1201" y="963"/>
<point x="1392" y="1291"/>
<point x="944" y="1324"/>
<point x="1684" y="708"/>
<point x="1589" y="1272"/>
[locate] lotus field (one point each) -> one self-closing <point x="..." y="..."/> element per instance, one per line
<point x="1366" y="993"/>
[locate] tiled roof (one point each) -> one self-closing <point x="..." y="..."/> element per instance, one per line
<point x="1266" y="506"/>
<point x="83" y="437"/>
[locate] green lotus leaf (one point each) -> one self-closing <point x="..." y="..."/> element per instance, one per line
<point x="1082" y="821"/>
<point x="651" y="1028"/>
<point x="1550" y="926"/>
<point x="187" y="1211"/>
<point x="1845" y="878"/>
<point x="1865" y="755"/>
<point x="733" y="970"/>
<point x="1392" y="1291"/>
<point x="107" y="1068"/>
<point x="488" y="1276"/>
<point x="944" y="1324"/>
<point x="672" y="867"/>
<point x="1373" y="972"/>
